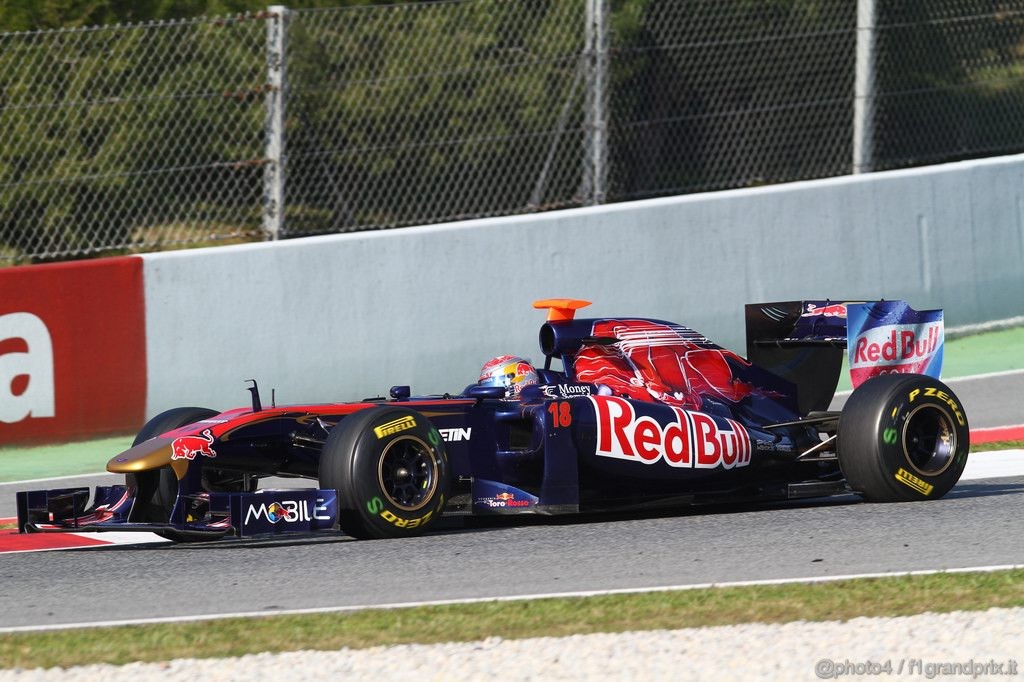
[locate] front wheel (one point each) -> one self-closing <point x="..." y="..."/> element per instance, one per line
<point x="391" y="472"/>
<point x="903" y="437"/>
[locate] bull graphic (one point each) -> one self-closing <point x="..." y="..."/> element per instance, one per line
<point x="834" y="310"/>
<point x="187" y="447"/>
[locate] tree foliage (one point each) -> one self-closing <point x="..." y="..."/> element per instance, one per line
<point x="950" y="81"/>
<point x="105" y="132"/>
<point x="154" y="132"/>
<point x="416" y="115"/>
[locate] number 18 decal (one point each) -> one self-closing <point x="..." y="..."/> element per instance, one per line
<point x="560" y="415"/>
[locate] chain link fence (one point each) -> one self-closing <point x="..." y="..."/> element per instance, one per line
<point x="950" y="81"/>
<point x="417" y="113"/>
<point x="139" y="136"/>
<point x="712" y="95"/>
<point x="296" y="122"/>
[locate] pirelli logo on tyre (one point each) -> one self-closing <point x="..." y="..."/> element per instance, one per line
<point x="394" y="426"/>
<point x="909" y="479"/>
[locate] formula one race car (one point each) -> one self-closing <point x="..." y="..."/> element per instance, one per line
<point x="639" y="413"/>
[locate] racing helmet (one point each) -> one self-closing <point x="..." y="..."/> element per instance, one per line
<point x="508" y="371"/>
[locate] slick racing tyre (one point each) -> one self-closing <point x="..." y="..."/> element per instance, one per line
<point x="157" y="489"/>
<point x="391" y="472"/>
<point x="902" y="437"/>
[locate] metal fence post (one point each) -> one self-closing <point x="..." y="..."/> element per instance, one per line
<point x="274" y="170"/>
<point x="864" y="89"/>
<point x="595" y="142"/>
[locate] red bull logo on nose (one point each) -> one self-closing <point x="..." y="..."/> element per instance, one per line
<point x="187" y="447"/>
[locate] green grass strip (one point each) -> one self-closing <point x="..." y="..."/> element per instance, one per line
<point x="841" y="600"/>
<point x="67" y="459"/>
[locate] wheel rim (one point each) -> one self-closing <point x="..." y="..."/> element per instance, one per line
<point x="929" y="440"/>
<point x="407" y="473"/>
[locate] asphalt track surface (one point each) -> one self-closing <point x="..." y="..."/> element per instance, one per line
<point x="977" y="524"/>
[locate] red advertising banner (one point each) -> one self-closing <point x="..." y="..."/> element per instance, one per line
<point x="72" y="350"/>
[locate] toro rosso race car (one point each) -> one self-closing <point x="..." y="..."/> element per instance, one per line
<point x="625" y="413"/>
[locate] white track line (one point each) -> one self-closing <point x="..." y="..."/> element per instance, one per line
<point x="987" y="375"/>
<point x="982" y="327"/>
<point x="998" y="464"/>
<point x="57" y="478"/>
<point x="511" y="598"/>
<point x="102" y="540"/>
<point x="952" y="380"/>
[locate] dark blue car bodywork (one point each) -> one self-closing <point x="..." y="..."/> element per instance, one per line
<point x="721" y="427"/>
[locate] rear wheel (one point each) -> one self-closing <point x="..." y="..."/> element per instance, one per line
<point x="903" y="437"/>
<point x="156" y="490"/>
<point x="391" y="472"/>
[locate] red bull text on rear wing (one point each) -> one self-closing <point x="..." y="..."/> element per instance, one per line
<point x="802" y="341"/>
<point x="891" y="337"/>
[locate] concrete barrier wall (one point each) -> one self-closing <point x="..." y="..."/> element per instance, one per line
<point x="345" y="317"/>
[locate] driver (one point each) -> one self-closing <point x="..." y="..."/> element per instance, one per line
<point x="509" y="371"/>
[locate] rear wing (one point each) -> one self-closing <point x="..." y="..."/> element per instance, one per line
<point x="803" y="342"/>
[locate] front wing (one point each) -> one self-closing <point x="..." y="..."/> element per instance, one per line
<point x="262" y="513"/>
